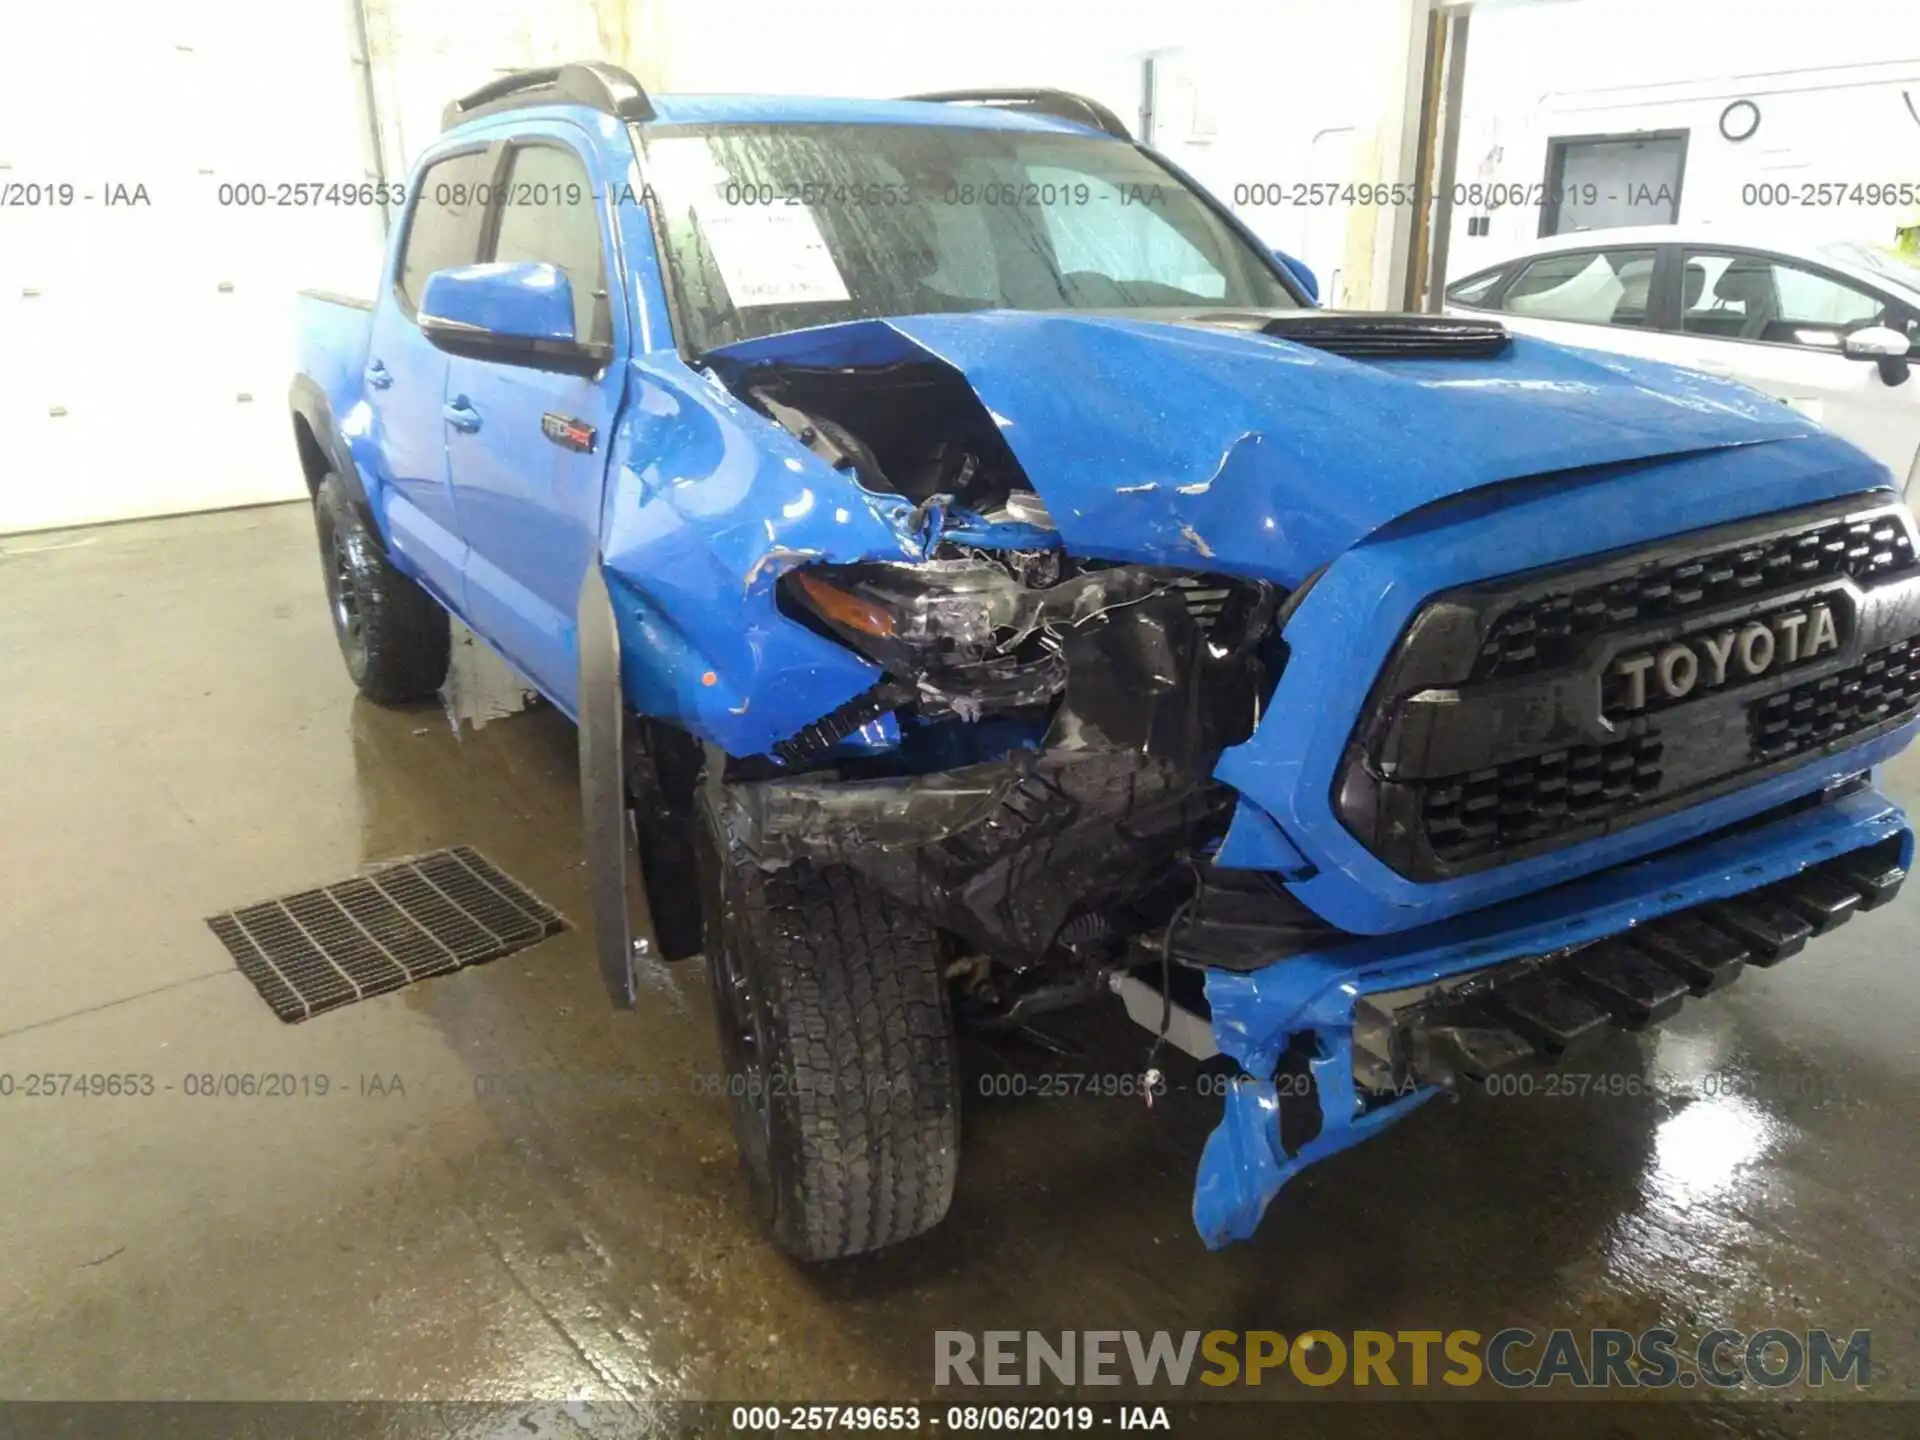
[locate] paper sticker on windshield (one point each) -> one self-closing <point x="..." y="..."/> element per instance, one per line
<point x="772" y="255"/>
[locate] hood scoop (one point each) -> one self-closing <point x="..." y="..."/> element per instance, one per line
<point x="1366" y="335"/>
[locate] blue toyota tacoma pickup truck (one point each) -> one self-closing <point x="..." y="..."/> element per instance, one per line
<point x="984" y="580"/>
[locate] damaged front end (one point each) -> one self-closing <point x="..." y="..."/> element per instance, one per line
<point x="1033" y="770"/>
<point x="984" y="640"/>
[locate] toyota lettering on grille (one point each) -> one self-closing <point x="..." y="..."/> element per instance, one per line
<point x="1712" y="658"/>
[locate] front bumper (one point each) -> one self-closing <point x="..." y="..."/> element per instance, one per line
<point x="1291" y="1025"/>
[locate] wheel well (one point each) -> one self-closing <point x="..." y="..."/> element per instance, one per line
<point x="313" y="460"/>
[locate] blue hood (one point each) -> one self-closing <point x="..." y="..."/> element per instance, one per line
<point x="1182" y="443"/>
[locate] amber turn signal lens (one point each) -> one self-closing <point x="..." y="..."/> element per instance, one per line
<point x="843" y="607"/>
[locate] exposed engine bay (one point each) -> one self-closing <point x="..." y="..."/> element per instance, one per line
<point x="1032" y="771"/>
<point x="914" y="429"/>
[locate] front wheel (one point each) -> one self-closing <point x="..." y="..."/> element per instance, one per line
<point x="396" y="640"/>
<point x="839" y="1050"/>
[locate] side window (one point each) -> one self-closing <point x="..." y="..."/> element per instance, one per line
<point x="1590" y="287"/>
<point x="443" y="228"/>
<point x="1475" y="289"/>
<point x="1750" y="297"/>
<point x="548" y="213"/>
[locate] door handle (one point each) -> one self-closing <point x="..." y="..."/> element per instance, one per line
<point x="1712" y="367"/>
<point x="379" y="376"/>
<point x="461" y="415"/>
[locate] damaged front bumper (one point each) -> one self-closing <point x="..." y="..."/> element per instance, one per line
<point x="1008" y="854"/>
<point x="1339" y="1040"/>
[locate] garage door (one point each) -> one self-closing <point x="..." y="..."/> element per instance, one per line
<point x="145" y="318"/>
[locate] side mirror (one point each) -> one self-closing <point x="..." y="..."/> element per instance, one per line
<point x="1876" y="342"/>
<point x="1301" y="272"/>
<point x="1884" y="344"/>
<point x="518" y="313"/>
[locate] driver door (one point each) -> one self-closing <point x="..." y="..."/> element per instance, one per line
<point x="527" y="448"/>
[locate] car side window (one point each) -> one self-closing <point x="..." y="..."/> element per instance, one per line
<point x="548" y="214"/>
<point x="1752" y="297"/>
<point x="443" y="228"/>
<point x="1588" y="287"/>
<point x="1475" y="289"/>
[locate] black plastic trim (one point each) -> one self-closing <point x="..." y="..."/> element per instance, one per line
<point x="1540" y="1007"/>
<point x="309" y="404"/>
<point x="1059" y="104"/>
<point x="1428" y="719"/>
<point x="594" y="84"/>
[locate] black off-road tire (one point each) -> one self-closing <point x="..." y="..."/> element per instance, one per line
<point x="395" y="638"/>
<point x="839" y="1051"/>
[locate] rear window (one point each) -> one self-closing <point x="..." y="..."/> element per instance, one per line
<point x="548" y="214"/>
<point x="443" y="228"/>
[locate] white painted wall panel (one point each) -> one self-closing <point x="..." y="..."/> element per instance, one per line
<point x="145" y="350"/>
<point x="1832" y="79"/>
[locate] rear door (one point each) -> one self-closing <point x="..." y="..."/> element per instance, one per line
<point x="528" y="456"/>
<point x="1779" y="325"/>
<point x="406" y="377"/>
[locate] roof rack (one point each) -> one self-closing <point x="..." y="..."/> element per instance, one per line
<point x="606" y="88"/>
<point x="1060" y="104"/>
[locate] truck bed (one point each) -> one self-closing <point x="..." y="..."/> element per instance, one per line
<point x="332" y="334"/>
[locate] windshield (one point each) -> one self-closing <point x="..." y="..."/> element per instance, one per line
<point x="771" y="228"/>
<point x="1901" y="269"/>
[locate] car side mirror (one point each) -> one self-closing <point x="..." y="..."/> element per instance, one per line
<point x="1876" y="342"/>
<point x="513" y="313"/>
<point x="1301" y="272"/>
<point x="1884" y="344"/>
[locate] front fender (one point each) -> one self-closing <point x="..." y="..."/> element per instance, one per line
<point x="707" y="504"/>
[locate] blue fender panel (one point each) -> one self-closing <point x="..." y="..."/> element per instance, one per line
<point x="1255" y="842"/>
<point x="707" y="504"/>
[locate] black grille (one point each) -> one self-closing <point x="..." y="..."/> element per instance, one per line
<point x="1883" y="686"/>
<point x="321" y="949"/>
<point x="1551" y="629"/>
<point x="1506" y="806"/>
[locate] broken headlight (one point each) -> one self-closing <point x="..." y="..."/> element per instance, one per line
<point x="906" y="618"/>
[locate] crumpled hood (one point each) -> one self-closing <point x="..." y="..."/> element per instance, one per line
<point x="1180" y="443"/>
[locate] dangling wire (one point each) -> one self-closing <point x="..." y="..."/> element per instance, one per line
<point x="1152" y="1078"/>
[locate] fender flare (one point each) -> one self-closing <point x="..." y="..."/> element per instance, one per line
<point x="607" y="825"/>
<point x="309" y="404"/>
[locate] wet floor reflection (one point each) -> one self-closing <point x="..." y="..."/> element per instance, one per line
<point x="480" y="686"/>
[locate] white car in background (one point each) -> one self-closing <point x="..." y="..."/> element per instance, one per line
<point x="1829" y="328"/>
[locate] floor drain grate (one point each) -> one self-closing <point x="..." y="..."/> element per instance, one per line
<point x="321" y="949"/>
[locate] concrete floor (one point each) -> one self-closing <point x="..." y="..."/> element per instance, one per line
<point x="177" y="736"/>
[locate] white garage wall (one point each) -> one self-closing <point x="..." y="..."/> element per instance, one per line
<point x="147" y="347"/>
<point x="1828" y="77"/>
<point x="426" y="52"/>
<point x="146" y="350"/>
